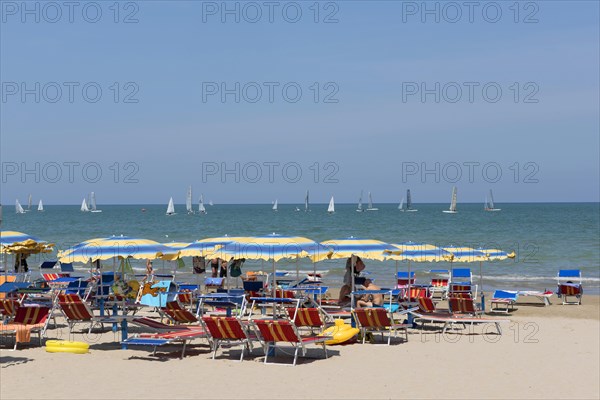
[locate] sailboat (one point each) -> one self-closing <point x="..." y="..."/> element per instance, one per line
<point x="331" y="208"/>
<point x="489" y="203"/>
<point x="370" y="205"/>
<point x="40" y="206"/>
<point x="84" y="206"/>
<point x="28" y="203"/>
<point x="275" y="205"/>
<point x="93" y="203"/>
<point x="452" y="209"/>
<point x="201" y="208"/>
<point x="408" y="206"/>
<point x="171" y="207"/>
<point x="210" y="203"/>
<point x="359" y="208"/>
<point x="188" y="201"/>
<point x="18" y="208"/>
<point x="306" y="204"/>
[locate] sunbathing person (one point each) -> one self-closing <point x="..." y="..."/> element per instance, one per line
<point x="371" y="299"/>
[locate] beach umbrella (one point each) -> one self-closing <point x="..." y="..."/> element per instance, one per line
<point x="273" y="248"/>
<point x="417" y="252"/>
<point x="19" y="244"/>
<point x="204" y="247"/>
<point x="467" y="255"/>
<point x="352" y="247"/>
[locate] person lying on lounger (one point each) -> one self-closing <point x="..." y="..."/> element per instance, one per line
<point x="370" y="300"/>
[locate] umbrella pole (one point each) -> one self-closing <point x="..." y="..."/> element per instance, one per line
<point x="297" y="271"/>
<point x="481" y="287"/>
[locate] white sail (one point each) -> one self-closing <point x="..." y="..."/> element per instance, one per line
<point x="171" y="207"/>
<point x="275" y="205"/>
<point x="359" y="208"/>
<point x="84" y="206"/>
<point x="188" y="201"/>
<point x="201" y="208"/>
<point x="489" y="203"/>
<point x="370" y="206"/>
<point x="210" y="203"/>
<point x="40" y="206"/>
<point x="452" y="209"/>
<point x="401" y="206"/>
<point x="93" y="203"/>
<point x="18" y="208"/>
<point x="29" y="202"/>
<point x="306" y="204"/>
<point x="331" y="208"/>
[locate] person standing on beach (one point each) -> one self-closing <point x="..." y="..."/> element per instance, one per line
<point x="346" y="289"/>
<point x="371" y="299"/>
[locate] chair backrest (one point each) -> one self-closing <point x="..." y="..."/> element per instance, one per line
<point x="375" y="317"/>
<point x="306" y="317"/>
<point x="213" y="282"/>
<point x="461" y="275"/>
<point x="404" y="278"/>
<point x="8" y="307"/>
<point x="53" y="276"/>
<point x="460" y="290"/>
<point x="253" y="286"/>
<point x="461" y="306"/>
<point x="569" y="289"/>
<point x="185" y="297"/>
<point x="426" y="304"/>
<point x="48" y="264"/>
<point x="439" y="282"/>
<point x="31" y="315"/>
<point x="566" y="274"/>
<point x="74" y="308"/>
<point x="285" y="294"/>
<point x="66" y="267"/>
<point x="417" y="293"/>
<point x="174" y="310"/>
<point x="503" y="294"/>
<point x="277" y="330"/>
<point x="224" y="327"/>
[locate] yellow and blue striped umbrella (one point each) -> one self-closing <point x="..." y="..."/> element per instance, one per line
<point x="117" y="247"/>
<point x="22" y="243"/>
<point x="495" y="254"/>
<point x="363" y="248"/>
<point x="466" y="254"/>
<point x="207" y="246"/>
<point x="418" y="252"/>
<point x="273" y="247"/>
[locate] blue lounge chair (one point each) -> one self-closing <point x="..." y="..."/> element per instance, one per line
<point x="503" y="301"/>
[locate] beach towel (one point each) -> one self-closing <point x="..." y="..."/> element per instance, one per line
<point x="23" y="332"/>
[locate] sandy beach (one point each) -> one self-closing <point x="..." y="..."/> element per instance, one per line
<point x="544" y="352"/>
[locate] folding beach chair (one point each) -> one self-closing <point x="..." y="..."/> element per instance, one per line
<point x="451" y="320"/>
<point x="169" y="334"/>
<point x="178" y="314"/>
<point x="8" y="309"/>
<point x="461" y="275"/>
<point x="274" y="331"/>
<point x="403" y="279"/>
<point x="503" y="301"/>
<point x="228" y="331"/>
<point x="76" y="311"/>
<point x="28" y="319"/>
<point x="568" y="288"/>
<point x="308" y="318"/>
<point x="463" y="306"/>
<point x="378" y="319"/>
<point x="439" y="286"/>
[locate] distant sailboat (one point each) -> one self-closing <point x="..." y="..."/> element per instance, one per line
<point x="210" y="203"/>
<point x="18" y="208"/>
<point x="188" y="201"/>
<point x="408" y="206"/>
<point x="84" y="206"/>
<point x="171" y="207"/>
<point x="331" y="208"/>
<point x="452" y="209"/>
<point x="201" y="208"/>
<point x="275" y="205"/>
<point x="306" y="204"/>
<point x="93" y="203"/>
<point x="28" y="203"/>
<point x="40" y="206"/>
<point x="489" y="203"/>
<point x="359" y="208"/>
<point x="370" y="205"/>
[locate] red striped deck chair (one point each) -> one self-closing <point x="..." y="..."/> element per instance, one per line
<point x="461" y="291"/>
<point x="566" y="290"/>
<point x="230" y="331"/>
<point x="285" y="294"/>
<point x="178" y="314"/>
<point x="179" y="334"/>
<point x="378" y="319"/>
<point x="8" y="309"/>
<point x="439" y="286"/>
<point x="27" y="319"/>
<point x="275" y="331"/>
<point x="186" y="297"/>
<point x="426" y="305"/>
<point x="49" y="277"/>
<point x="415" y="293"/>
<point x="463" y="306"/>
<point x="311" y="318"/>
<point x="76" y="311"/>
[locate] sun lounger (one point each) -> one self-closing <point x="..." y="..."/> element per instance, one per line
<point x="273" y="331"/>
<point x="503" y="301"/>
<point x="176" y="334"/>
<point x="378" y="319"/>
<point x="28" y="319"/>
<point x="178" y="314"/>
<point x="463" y="306"/>
<point x="451" y="320"/>
<point x="543" y="296"/>
<point x="76" y="311"/>
<point x="229" y="331"/>
<point x="403" y="279"/>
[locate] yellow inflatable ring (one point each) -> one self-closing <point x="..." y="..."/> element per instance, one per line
<point x="64" y="346"/>
<point x="341" y="333"/>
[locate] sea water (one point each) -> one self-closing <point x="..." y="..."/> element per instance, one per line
<point x="546" y="237"/>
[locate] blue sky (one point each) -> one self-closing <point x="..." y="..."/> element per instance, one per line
<point x="366" y="129"/>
